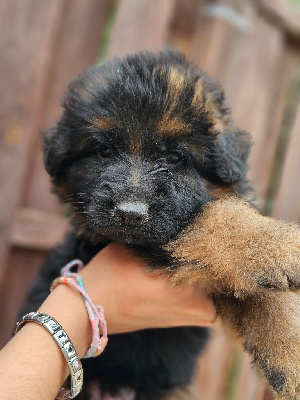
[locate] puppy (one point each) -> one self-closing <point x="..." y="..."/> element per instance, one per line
<point x="143" y="144"/>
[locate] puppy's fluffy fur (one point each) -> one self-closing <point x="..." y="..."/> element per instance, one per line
<point x="142" y="146"/>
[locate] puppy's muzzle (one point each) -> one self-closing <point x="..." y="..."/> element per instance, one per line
<point x="131" y="213"/>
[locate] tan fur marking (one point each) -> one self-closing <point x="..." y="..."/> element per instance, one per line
<point x="204" y="100"/>
<point x="176" y="81"/>
<point x="224" y="123"/>
<point x="198" y="98"/>
<point x="172" y="126"/>
<point x="219" y="125"/>
<point x="103" y="123"/>
<point x="135" y="146"/>
<point x="83" y="90"/>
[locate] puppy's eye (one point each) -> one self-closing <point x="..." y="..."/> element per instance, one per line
<point x="104" y="152"/>
<point x="175" y="157"/>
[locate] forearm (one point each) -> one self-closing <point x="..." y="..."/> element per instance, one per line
<point x="32" y="366"/>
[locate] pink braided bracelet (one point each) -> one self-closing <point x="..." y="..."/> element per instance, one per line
<point x="66" y="271"/>
<point x="96" y="313"/>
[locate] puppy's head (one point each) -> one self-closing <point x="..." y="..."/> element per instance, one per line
<point x="142" y="144"/>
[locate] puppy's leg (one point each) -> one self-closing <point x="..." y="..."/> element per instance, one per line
<point x="248" y="262"/>
<point x="231" y="248"/>
<point x="269" y="326"/>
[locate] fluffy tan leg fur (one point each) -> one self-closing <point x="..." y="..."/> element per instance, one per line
<point x="249" y="264"/>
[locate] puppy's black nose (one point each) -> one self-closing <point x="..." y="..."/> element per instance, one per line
<point x="131" y="213"/>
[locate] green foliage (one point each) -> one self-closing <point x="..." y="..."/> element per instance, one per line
<point x="67" y="210"/>
<point x="233" y="377"/>
<point x="107" y="30"/>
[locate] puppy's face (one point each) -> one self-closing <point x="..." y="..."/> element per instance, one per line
<point x="142" y="145"/>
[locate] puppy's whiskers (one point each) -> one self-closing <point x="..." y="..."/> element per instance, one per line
<point x="72" y="197"/>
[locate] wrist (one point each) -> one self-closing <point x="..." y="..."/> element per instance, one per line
<point x="108" y="279"/>
<point x="66" y="305"/>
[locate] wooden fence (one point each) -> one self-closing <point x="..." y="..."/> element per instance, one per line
<point x="252" y="48"/>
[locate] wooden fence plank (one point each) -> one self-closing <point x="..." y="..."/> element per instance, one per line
<point x="37" y="230"/>
<point x="285" y="18"/>
<point x="25" y="64"/>
<point x="18" y="277"/>
<point x="140" y="25"/>
<point x="250" y="386"/>
<point x="61" y="38"/>
<point x="78" y="47"/>
<point x="215" y="366"/>
<point x="184" y="22"/>
<point x="287" y="205"/>
<point x="256" y="98"/>
<point x="284" y="117"/>
<point x="254" y="65"/>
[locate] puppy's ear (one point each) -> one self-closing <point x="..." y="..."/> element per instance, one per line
<point x="53" y="149"/>
<point x="232" y="152"/>
<point x="233" y="145"/>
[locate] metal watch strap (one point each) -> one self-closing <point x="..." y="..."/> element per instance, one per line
<point x="66" y="346"/>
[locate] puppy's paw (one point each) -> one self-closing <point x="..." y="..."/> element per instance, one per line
<point x="231" y="248"/>
<point x="282" y="277"/>
<point x="274" y="248"/>
<point x="272" y="283"/>
<point x="281" y="280"/>
<point x="284" y="383"/>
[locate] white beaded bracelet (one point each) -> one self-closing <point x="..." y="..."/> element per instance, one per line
<point x="67" y="348"/>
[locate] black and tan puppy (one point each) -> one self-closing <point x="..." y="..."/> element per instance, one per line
<point x="142" y="146"/>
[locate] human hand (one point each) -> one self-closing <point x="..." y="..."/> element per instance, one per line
<point x="134" y="298"/>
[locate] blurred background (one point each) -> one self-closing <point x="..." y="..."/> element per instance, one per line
<point x="251" y="46"/>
